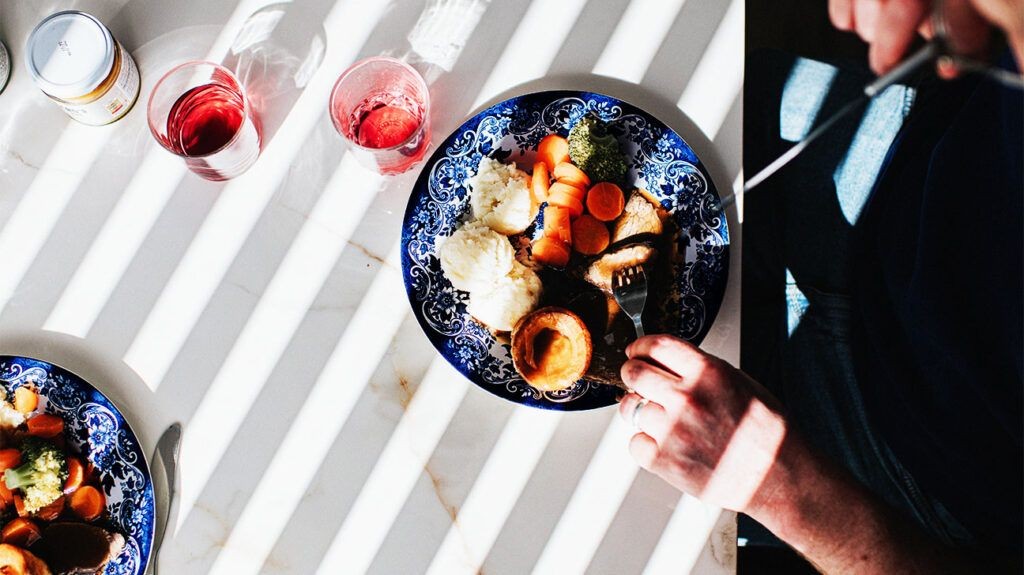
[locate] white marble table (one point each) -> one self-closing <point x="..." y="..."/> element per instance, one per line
<point x="323" y="433"/>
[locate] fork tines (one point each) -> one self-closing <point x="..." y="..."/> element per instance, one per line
<point x="627" y="276"/>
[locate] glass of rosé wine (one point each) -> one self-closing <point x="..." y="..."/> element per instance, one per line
<point x="199" y="111"/>
<point x="381" y="107"/>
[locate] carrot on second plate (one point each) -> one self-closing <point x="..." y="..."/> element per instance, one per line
<point x="25" y="400"/>
<point x="9" y="459"/>
<point x="6" y="495"/>
<point x="591" y="235"/>
<point x="578" y="193"/>
<point x="20" y="532"/>
<point x="45" y="425"/>
<point x="557" y="224"/>
<point x="567" y="201"/>
<point x="548" y="250"/>
<point x="605" y="201"/>
<point x="552" y="150"/>
<point x="19" y="506"/>
<point x="570" y="174"/>
<point x="76" y="475"/>
<point x="87" y="502"/>
<point x="540" y="183"/>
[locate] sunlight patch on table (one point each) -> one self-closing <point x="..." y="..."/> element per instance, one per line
<point x="322" y="416"/>
<point x="242" y="202"/>
<point x="684" y="538"/>
<point x="397" y="469"/>
<point x="636" y="39"/>
<point x="533" y="46"/>
<point x="593" y="505"/>
<point x="39" y="210"/>
<point x="274" y="322"/>
<point x="719" y="75"/>
<point x="495" y="491"/>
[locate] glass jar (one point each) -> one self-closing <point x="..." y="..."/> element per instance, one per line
<point x="75" y="60"/>
<point x="5" y="66"/>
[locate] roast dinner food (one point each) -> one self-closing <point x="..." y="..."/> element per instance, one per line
<point x="52" y="506"/>
<point x="547" y="288"/>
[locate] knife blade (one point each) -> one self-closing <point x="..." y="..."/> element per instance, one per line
<point x="166" y="454"/>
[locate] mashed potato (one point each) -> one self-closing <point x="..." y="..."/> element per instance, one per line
<point x="500" y="197"/>
<point x="474" y="256"/>
<point x="502" y="304"/>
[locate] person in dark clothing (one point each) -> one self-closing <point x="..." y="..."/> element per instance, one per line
<point x="889" y="440"/>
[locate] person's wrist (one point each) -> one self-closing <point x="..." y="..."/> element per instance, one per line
<point x="780" y="489"/>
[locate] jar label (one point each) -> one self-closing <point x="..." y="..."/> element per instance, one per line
<point x="115" y="102"/>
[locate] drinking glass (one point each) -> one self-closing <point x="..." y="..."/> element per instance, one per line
<point x="381" y="106"/>
<point x="199" y="111"/>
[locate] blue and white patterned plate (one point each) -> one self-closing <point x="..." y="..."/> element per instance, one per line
<point x="660" y="162"/>
<point x="98" y="430"/>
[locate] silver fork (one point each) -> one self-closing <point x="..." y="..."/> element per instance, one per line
<point x="629" y="286"/>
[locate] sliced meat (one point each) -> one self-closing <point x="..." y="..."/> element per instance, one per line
<point x="640" y="216"/>
<point x="602" y="270"/>
<point x="78" y="548"/>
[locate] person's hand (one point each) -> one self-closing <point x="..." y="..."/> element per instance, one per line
<point x="890" y="26"/>
<point x="706" y="428"/>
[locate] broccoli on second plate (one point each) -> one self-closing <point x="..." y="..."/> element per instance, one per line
<point x="41" y="477"/>
<point x="597" y="152"/>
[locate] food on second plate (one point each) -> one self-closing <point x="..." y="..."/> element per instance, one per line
<point x="475" y="256"/>
<point x="40" y="477"/>
<point x="49" y="496"/>
<point x="500" y="197"/>
<point x="551" y="348"/>
<point x="509" y="298"/>
<point x="596" y="152"/>
<point x="17" y="561"/>
<point x="78" y="548"/>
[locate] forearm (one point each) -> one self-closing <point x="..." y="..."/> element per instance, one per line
<point x="822" y="512"/>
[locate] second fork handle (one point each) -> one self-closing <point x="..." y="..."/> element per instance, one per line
<point x="639" y="326"/>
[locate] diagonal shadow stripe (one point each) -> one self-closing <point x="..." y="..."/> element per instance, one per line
<point x="589" y="36"/>
<point x="685" y="44"/>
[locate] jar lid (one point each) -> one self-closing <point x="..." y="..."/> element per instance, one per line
<point x="5" y="66"/>
<point x="69" y="54"/>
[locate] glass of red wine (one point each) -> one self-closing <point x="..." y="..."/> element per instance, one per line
<point x="381" y="106"/>
<point x="199" y="111"/>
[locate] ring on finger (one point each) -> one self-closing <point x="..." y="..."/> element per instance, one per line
<point x="635" y="418"/>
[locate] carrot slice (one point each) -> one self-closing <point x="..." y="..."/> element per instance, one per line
<point x="605" y="201"/>
<point x="553" y="150"/>
<point x="540" y="183"/>
<point x="45" y="425"/>
<point x="578" y="193"/>
<point x="6" y="495"/>
<point x="550" y="251"/>
<point x="9" y="458"/>
<point x="557" y="224"/>
<point x="25" y="400"/>
<point x="76" y="475"/>
<point x="20" y="532"/>
<point x="591" y="235"/>
<point x="568" y="202"/>
<point x="87" y="502"/>
<point x="51" y="511"/>
<point x="570" y="174"/>
<point x="19" y="506"/>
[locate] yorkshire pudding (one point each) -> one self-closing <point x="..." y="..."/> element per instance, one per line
<point x="551" y="348"/>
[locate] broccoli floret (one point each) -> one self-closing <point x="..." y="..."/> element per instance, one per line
<point x="597" y="152"/>
<point x="41" y="477"/>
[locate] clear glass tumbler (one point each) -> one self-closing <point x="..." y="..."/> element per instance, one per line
<point x="199" y="111"/>
<point x="382" y="107"/>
